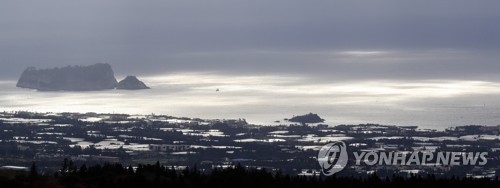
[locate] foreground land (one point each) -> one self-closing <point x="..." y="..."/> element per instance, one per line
<point x="116" y="175"/>
<point x="291" y="149"/>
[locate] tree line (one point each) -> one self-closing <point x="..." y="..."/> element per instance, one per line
<point x="156" y="175"/>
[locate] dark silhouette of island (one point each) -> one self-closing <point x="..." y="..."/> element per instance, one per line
<point x="95" y="77"/>
<point x="308" y="118"/>
<point x="71" y="78"/>
<point x="131" y="83"/>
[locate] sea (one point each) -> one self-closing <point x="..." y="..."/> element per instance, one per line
<point x="269" y="99"/>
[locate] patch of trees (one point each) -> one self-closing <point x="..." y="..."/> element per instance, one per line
<point x="157" y="175"/>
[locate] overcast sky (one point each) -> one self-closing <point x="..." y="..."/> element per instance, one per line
<point x="327" y="39"/>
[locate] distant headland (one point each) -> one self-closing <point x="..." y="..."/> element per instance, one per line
<point x="95" y="77"/>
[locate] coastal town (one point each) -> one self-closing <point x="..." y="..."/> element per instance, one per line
<point x="178" y="142"/>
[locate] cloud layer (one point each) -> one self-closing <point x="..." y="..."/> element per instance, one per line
<point x="327" y="40"/>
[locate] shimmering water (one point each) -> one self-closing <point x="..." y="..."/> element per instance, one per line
<point x="263" y="99"/>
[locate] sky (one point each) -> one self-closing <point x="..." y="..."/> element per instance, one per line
<point x="322" y="40"/>
<point x="428" y="62"/>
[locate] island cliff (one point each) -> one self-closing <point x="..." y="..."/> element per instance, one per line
<point x="71" y="78"/>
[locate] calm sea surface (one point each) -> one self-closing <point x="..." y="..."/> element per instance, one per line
<point x="265" y="99"/>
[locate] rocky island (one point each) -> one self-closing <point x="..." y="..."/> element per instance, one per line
<point x="131" y="83"/>
<point x="308" y="118"/>
<point x="76" y="78"/>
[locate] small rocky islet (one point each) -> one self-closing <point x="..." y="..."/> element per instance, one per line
<point x="131" y="83"/>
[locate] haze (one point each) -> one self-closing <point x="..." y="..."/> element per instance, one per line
<point x="440" y="52"/>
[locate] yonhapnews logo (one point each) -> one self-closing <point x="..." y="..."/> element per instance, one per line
<point x="332" y="158"/>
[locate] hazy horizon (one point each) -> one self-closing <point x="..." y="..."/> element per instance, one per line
<point x="265" y="99"/>
<point x="407" y="63"/>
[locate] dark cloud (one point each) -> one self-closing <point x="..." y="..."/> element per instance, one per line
<point x="452" y="39"/>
